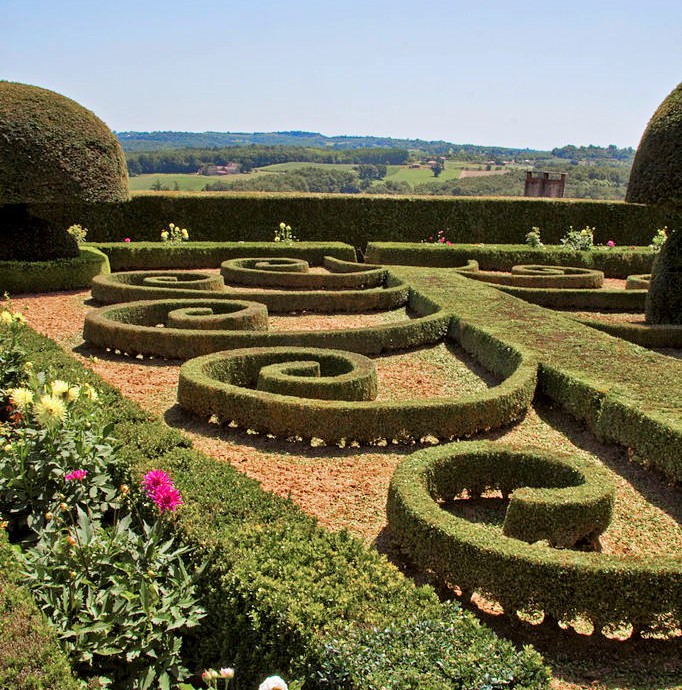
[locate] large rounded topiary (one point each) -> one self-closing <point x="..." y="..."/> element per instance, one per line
<point x="51" y="150"/>
<point x="656" y="176"/>
<point x="664" y="299"/>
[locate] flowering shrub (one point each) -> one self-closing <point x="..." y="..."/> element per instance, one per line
<point x="610" y="244"/>
<point x="579" y="240"/>
<point x="78" y="232"/>
<point x="285" y="234"/>
<point x="211" y="677"/>
<point x="174" y="234"/>
<point x="14" y="366"/>
<point x="533" y="238"/>
<point x="658" y="240"/>
<point x="439" y="239"/>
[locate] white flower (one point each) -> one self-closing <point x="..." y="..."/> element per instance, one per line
<point x="185" y="234"/>
<point x="49" y="410"/>
<point x="227" y="673"/>
<point x="73" y="393"/>
<point x="277" y="238"/>
<point x="273" y="683"/>
<point x="21" y="398"/>
<point x="59" y="387"/>
<point x="164" y="235"/>
<point x="282" y="226"/>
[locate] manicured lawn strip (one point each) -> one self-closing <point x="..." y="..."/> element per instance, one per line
<point x="626" y="394"/>
<point x="285" y="596"/>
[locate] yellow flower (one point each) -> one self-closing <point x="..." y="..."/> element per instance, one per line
<point x="164" y="235"/>
<point x="282" y="226"/>
<point x="21" y="398"/>
<point x="59" y="387"/>
<point x="90" y="393"/>
<point x="73" y="393"/>
<point x="49" y="410"/>
<point x="6" y="318"/>
<point x="277" y="238"/>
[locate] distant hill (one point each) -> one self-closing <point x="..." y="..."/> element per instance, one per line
<point x="154" y="141"/>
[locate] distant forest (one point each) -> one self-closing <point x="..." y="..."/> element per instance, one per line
<point x="595" y="172"/>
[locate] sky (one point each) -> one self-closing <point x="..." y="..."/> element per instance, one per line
<point x="526" y="74"/>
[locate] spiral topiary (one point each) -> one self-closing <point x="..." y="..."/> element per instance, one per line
<point x="51" y="150"/>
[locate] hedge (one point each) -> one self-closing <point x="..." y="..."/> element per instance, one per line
<point x="536" y="276"/>
<point x="132" y="328"/>
<point x="360" y="219"/>
<point x="602" y="299"/>
<point x="646" y="335"/>
<point x="136" y="256"/>
<point x="614" y="263"/>
<point x="266" y="273"/>
<point x="285" y="596"/>
<point x="55" y="275"/>
<point x="224" y="384"/>
<point x="130" y="286"/>
<point x="30" y="656"/>
<point x="626" y="394"/>
<point x="522" y="576"/>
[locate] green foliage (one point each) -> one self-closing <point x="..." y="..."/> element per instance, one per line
<point x="656" y="176"/>
<point x="284" y="234"/>
<point x="659" y="239"/>
<point x="78" y="232"/>
<point x="50" y="276"/>
<point x="664" y="299"/>
<point x="533" y="239"/>
<point x="579" y="240"/>
<point x="174" y="234"/>
<point x="13" y="362"/>
<point x="53" y="149"/>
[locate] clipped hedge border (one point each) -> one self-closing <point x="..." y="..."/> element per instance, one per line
<point x="581" y="298"/>
<point x="30" y="656"/>
<point x="131" y="328"/>
<point x="646" y="335"/>
<point x="614" y="263"/>
<point x="285" y="596"/>
<point x="638" y="282"/>
<point x="268" y="273"/>
<point x="218" y="384"/>
<point x="125" y="287"/>
<point x="141" y="256"/>
<point x="52" y="276"/>
<point x="537" y="276"/>
<point x="521" y="576"/>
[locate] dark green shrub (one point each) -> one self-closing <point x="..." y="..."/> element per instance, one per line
<point x="664" y="299"/>
<point x="656" y="176"/>
<point x="652" y="336"/>
<point x="54" y="275"/>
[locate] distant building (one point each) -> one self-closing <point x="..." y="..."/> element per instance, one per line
<point x="229" y="169"/>
<point x="544" y="185"/>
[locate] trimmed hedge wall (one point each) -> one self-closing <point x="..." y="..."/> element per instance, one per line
<point x="645" y="335"/>
<point x="130" y="286"/>
<point x="361" y="219"/>
<point x="285" y="596"/>
<point x="581" y="298"/>
<point x="143" y="256"/>
<point x="132" y="328"/>
<point x="55" y="275"/>
<point x="521" y="576"/>
<point x="540" y="277"/>
<point x="30" y="656"/>
<point x="614" y="263"/>
<point x="223" y="384"/>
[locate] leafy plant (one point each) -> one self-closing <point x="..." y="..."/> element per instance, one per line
<point x="174" y="234"/>
<point x="658" y="240"/>
<point x="579" y="240"/>
<point x="13" y="361"/>
<point x="285" y="234"/>
<point x="439" y="239"/>
<point x="533" y="238"/>
<point x="78" y="232"/>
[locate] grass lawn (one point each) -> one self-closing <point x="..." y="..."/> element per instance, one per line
<point x="185" y="182"/>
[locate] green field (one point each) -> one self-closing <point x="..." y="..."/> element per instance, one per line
<point x="185" y="182"/>
<point x="291" y="166"/>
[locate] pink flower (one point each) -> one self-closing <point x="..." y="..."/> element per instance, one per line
<point x="610" y="243"/>
<point x="154" y="480"/>
<point x="75" y="475"/>
<point x="126" y="239"/>
<point x="167" y="498"/>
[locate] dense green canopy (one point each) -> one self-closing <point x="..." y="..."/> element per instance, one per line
<point x="656" y="176"/>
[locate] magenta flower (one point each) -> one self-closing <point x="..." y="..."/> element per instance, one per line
<point x="610" y="243"/>
<point x="167" y="498"/>
<point x="155" y="479"/>
<point x="126" y="239"/>
<point x="75" y="475"/>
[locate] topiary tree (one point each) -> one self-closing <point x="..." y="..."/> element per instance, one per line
<point x="664" y="299"/>
<point x="51" y="150"/>
<point x="656" y="176"/>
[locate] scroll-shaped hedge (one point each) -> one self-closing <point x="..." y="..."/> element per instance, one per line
<point x="525" y="576"/>
<point x="581" y="298"/>
<point x="130" y="286"/>
<point x="225" y="384"/>
<point x="133" y="328"/>
<point x="223" y="316"/>
<point x="638" y="282"/>
<point x="540" y="276"/>
<point x="294" y="274"/>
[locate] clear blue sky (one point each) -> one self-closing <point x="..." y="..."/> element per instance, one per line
<point x="528" y="73"/>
